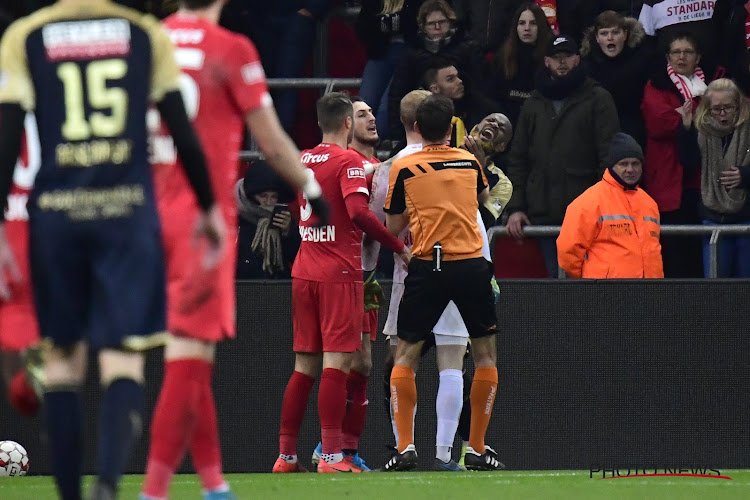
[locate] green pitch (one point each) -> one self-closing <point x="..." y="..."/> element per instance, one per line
<point x="424" y="485"/>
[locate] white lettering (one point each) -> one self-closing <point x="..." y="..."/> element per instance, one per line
<point x="354" y="173"/>
<point x="162" y="150"/>
<point x="318" y="234"/>
<point x="16" y="209"/>
<point x="186" y="36"/>
<point x="309" y="158"/>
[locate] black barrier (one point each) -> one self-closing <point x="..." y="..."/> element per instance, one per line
<point x="617" y="373"/>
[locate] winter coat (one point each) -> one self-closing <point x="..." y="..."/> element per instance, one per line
<point x="624" y="76"/>
<point x="554" y="157"/>
<point x="511" y="93"/>
<point x="375" y="30"/>
<point x="664" y="175"/>
<point x="611" y="232"/>
<point x="416" y="60"/>
<point x="736" y="57"/>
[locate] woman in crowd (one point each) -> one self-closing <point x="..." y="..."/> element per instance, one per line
<point x="723" y="123"/>
<point x="384" y="27"/>
<point x="613" y="54"/>
<point x="673" y="180"/>
<point x="510" y="75"/>
<point x="268" y="238"/>
<point x="439" y="37"/>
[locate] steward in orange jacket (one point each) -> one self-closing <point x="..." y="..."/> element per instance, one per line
<point x="612" y="229"/>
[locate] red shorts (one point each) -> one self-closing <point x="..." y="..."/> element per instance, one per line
<point x="18" y="326"/>
<point x="326" y="316"/>
<point x="370" y="323"/>
<point x="214" y="319"/>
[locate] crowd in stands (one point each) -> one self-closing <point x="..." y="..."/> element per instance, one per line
<point x="640" y="67"/>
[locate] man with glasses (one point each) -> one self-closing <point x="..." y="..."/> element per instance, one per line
<point x="560" y="144"/>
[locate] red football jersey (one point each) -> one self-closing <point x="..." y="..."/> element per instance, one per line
<point x="365" y="162"/>
<point x="222" y="80"/>
<point x="331" y="253"/>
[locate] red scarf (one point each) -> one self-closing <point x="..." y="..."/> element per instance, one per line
<point x="747" y="25"/>
<point x="550" y="10"/>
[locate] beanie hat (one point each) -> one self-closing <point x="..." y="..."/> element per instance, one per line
<point x="623" y="146"/>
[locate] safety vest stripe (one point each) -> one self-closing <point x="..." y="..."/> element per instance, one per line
<point x="616" y="217"/>
<point x="652" y="219"/>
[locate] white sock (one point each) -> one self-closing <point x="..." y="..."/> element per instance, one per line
<point x="448" y="405"/>
<point x="333" y="458"/>
<point x="393" y="421"/>
<point x="290" y="459"/>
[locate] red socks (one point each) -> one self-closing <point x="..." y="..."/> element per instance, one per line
<point x="204" y="445"/>
<point x="293" y="408"/>
<point x="331" y="408"/>
<point x="356" y="410"/>
<point x="22" y="396"/>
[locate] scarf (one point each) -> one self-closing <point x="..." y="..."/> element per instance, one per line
<point x="689" y="88"/>
<point x="714" y="160"/>
<point x="558" y="89"/>
<point x="434" y="46"/>
<point x="267" y="243"/>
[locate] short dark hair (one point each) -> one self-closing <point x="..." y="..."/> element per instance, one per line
<point x="356" y="98"/>
<point x="430" y="76"/>
<point x="197" y="4"/>
<point x="434" y="117"/>
<point x="683" y="35"/>
<point x="333" y="108"/>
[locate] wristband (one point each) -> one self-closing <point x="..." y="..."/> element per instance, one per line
<point x="311" y="189"/>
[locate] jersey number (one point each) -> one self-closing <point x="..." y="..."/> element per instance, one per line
<point x="77" y="126"/>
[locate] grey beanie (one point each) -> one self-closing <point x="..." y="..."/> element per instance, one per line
<point x="623" y="146"/>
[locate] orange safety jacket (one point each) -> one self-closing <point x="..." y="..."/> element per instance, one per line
<point x="611" y="232"/>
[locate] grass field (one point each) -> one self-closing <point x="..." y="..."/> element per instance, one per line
<point x="425" y="485"/>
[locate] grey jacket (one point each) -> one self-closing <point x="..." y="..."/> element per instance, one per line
<point x="554" y="156"/>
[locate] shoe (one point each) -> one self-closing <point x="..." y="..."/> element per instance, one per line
<point x="282" y="466"/>
<point x="317" y="455"/>
<point x="406" y="460"/>
<point x="101" y="491"/>
<point x="343" y="466"/>
<point x="451" y="466"/>
<point x="486" y="461"/>
<point x="357" y="461"/>
<point x="463" y="454"/>
<point x="220" y="495"/>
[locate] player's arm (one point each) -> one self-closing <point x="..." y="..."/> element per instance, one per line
<point x="396" y="223"/>
<point x="362" y="216"/>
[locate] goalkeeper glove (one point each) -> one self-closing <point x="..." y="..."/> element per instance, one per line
<point x="495" y="289"/>
<point x="373" y="292"/>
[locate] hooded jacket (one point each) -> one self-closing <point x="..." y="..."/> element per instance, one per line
<point x="611" y="232"/>
<point x="556" y="156"/>
<point x="624" y="76"/>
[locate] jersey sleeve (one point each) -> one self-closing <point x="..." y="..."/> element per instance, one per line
<point x="395" y="200"/>
<point x="165" y="72"/>
<point x="15" y="79"/>
<point x="352" y="176"/>
<point x="246" y="78"/>
<point x="481" y="179"/>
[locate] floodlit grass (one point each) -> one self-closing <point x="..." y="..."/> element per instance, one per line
<point x="423" y="485"/>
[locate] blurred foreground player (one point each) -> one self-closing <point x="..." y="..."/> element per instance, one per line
<point x="89" y="68"/>
<point x="224" y="88"/>
<point x="327" y="288"/>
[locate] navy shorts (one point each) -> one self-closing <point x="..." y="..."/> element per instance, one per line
<point x="100" y="281"/>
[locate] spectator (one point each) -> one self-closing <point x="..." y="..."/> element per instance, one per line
<point x="440" y="36"/>
<point x="486" y="21"/>
<point x="510" y="75"/>
<point x="612" y="229"/>
<point x="560" y="144"/>
<point x="384" y="27"/>
<point x="614" y="55"/>
<point x="663" y="19"/>
<point x="672" y="179"/>
<point x="736" y="45"/>
<point x="470" y="106"/>
<point x="268" y="239"/>
<point x="723" y="123"/>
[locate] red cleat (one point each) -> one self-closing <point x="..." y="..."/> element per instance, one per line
<point x="282" y="466"/>
<point x="343" y="466"/>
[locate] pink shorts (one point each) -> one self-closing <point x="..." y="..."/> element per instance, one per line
<point x="370" y="323"/>
<point x="188" y="284"/>
<point x="18" y="325"/>
<point x="326" y="316"/>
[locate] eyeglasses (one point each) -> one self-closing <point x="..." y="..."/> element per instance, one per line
<point x="718" y="110"/>
<point x="437" y="24"/>
<point x="678" y="53"/>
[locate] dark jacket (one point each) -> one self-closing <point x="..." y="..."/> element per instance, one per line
<point x="511" y="93"/>
<point x="624" y="76"/>
<point x="736" y="57"/>
<point x="417" y="59"/>
<point x="486" y="21"/>
<point x="376" y="30"/>
<point x="555" y="156"/>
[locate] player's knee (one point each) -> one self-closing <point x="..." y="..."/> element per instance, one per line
<point x="338" y="360"/>
<point x="408" y="354"/>
<point x="362" y="364"/>
<point x="307" y="363"/>
<point x="65" y="367"/>
<point x="484" y="351"/>
<point x="116" y="364"/>
<point x="187" y="348"/>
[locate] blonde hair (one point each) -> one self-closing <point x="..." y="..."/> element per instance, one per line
<point x="409" y="105"/>
<point x="722" y="85"/>
<point x="392" y="6"/>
